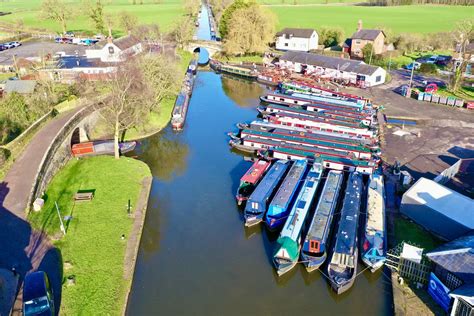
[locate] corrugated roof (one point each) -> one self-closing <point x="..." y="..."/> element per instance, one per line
<point x="303" y="33"/>
<point x="366" y="34"/>
<point x="20" y="86"/>
<point x="342" y="64"/>
<point x="457" y="257"/>
<point x="451" y="204"/>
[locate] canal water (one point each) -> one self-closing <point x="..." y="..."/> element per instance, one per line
<point x="195" y="256"/>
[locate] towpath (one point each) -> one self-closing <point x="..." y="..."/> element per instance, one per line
<point x="24" y="248"/>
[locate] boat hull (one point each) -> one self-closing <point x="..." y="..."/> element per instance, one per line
<point x="345" y="284"/>
<point x="284" y="268"/>
<point x="252" y="220"/>
<point x="373" y="266"/>
<point x="313" y="263"/>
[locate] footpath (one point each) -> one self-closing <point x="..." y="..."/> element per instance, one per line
<point x="22" y="247"/>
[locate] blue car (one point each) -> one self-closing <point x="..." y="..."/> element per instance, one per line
<point x="37" y="295"/>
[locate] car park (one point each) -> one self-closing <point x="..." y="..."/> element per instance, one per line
<point x="37" y="295"/>
<point x="415" y="65"/>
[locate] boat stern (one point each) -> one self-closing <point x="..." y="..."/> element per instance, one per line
<point x="252" y="219"/>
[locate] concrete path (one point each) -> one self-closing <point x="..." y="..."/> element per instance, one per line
<point x="22" y="247"/>
<point x="19" y="179"/>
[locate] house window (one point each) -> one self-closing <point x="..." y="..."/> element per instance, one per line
<point x="286" y="44"/>
<point x="357" y="42"/>
<point x="378" y="78"/>
<point x="111" y="50"/>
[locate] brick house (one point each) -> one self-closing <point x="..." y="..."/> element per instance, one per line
<point x="362" y="37"/>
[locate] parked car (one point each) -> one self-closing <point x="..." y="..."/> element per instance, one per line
<point x="2" y="47"/>
<point x="432" y="60"/>
<point x="431" y="88"/>
<point x="415" y="65"/>
<point x="69" y="34"/>
<point x="8" y="45"/>
<point x="15" y="44"/>
<point x="37" y="295"/>
<point x="443" y="60"/>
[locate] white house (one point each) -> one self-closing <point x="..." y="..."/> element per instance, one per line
<point x="302" y="40"/>
<point x="347" y="70"/>
<point x="117" y="50"/>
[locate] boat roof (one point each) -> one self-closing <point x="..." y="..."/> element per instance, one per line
<point x="375" y="205"/>
<point x="326" y="205"/>
<point x="313" y="150"/>
<point x="305" y="140"/>
<point x="348" y="103"/>
<point x="347" y="232"/>
<point x="324" y="101"/>
<point x="322" y="114"/>
<point x="302" y="84"/>
<point x="304" y="153"/>
<point x="255" y="172"/>
<point x="268" y="183"/>
<point x="290" y="184"/>
<point x="329" y="121"/>
<point x="296" y="219"/>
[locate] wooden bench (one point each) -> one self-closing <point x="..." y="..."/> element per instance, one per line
<point x="83" y="196"/>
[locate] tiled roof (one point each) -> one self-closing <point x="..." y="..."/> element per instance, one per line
<point x="303" y="33"/>
<point x="457" y="257"/>
<point x="126" y="42"/>
<point x="366" y="34"/>
<point x="342" y="64"/>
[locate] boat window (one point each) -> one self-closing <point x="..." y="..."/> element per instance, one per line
<point x="255" y="205"/>
<point x="314" y="246"/>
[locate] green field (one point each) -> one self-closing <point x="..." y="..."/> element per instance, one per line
<point x="400" y="19"/>
<point x="93" y="249"/>
<point x="304" y="2"/>
<point x="165" y="14"/>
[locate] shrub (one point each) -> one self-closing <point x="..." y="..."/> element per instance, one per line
<point x="4" y="155"/>
<point x="428" y="68"/>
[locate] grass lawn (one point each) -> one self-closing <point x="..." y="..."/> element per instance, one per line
<point x="305" y="2"/>
<point x="466" y="93"/>
<point x="165" y="14"/>
<point x="400" y="19"/>
<point x="408" y="231"/>
<point x="93" y="243"/>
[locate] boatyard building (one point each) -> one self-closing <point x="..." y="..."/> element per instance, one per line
<point x="441" y="211"/>
<point x="453" y="266"/>
<point x="349" y="71"/>
<point x="117" y="50"/>
<point x="292" y="39"/>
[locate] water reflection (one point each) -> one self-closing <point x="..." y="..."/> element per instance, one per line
<point x="165" y="154"/>
<point x="243" y="92"/>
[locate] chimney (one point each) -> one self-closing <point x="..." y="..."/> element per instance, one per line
<point x="110" y="39"/>
<point x="359" y="25"/>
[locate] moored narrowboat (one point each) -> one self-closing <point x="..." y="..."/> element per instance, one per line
<point x="289" y="241"/>
<point x="374" y="245"/>
<point x="250" y="180"/>
<point x="233" y="69"/>
<point x="100" y="147"/>
<point x="281" y="204"/>
<point x="258" y="201"/>
<point x="314" y="249"/>
<point x="342" y="268"/>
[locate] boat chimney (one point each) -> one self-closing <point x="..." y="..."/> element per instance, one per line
<point x="359" y="25"/>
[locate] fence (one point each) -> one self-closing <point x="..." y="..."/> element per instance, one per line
<point x="409" y="269"/>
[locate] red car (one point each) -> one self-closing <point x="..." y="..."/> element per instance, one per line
<point x="431" y="88"/>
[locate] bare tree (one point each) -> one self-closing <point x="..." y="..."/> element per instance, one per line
<point x="463" y="32"/>
<point x="127" y="103"/>
<point x="250" y="30"/>
<point x="182" y="32"/>
<point x="128" y="21"/>
<point x="56" y="10"/>
<point x="162" y="75"/>
<point x="95" y="12"/>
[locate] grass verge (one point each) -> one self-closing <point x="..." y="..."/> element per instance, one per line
<point x="412" y="233"/>
<point x="93" y="246"/>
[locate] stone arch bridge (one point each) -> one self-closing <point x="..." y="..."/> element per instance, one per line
<point x="212" y="47"/>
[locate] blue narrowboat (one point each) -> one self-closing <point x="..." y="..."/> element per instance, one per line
<point x="314" y="250"/>
<point x="289" y="242"/>
<point x="281" y="204"/>
<point x="258" y="201"/>
<point x="342" y="268"/>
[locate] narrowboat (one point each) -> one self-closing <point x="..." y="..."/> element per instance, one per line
<point x="233" y="69"/>
<point x="250" y="180"/>
<point x="314" y="250"/>
<point x="342" y="268"/>
<point x="258" y="201"/>
<point x="268" y="80"/>
<point x="180" y="110"/>
<point x="289" y="241"/>
<point x="281" y="204"/>
<point x="374" y="246"/>
<point x="100" y="147"/>
<point x="192" y="68"/>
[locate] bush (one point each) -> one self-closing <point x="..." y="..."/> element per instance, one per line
<point x="331" y="36"/>
<point x="4" y="155"/>
<point x="428" y="69"/>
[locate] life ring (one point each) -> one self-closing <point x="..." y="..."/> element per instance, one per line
<point x="253" y="173"/>
<point x="317" y="155"/>
<point x="302" y="133"/>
